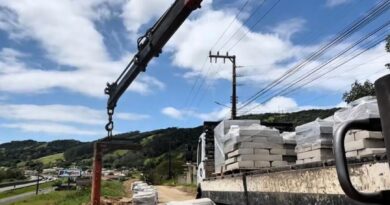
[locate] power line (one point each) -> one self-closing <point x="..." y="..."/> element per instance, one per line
<point x="336" y="67"/>
<point x="254" y="25"/>
<point x="356" y="25"/>
<point x="231" y="23"/>
<point x="318" y="68"/>
<point x="259" y="6"/>
<point x="189" y="99"/>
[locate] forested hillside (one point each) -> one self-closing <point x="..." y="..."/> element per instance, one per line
<point x="15" y="152"/>
<point x="152" y="159"/>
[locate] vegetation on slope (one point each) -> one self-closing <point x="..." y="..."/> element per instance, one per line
<point x="14" y="152"/>
<point x="152" y="159"/>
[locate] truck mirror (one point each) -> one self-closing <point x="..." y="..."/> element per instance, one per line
<point x="382" y="88"/>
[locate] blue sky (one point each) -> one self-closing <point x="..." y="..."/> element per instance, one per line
<point x="56" y="57"/>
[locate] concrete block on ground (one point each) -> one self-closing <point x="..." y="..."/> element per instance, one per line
<point x="320" y="154"/>
<point x="241" y="151"/>
<point x="363" y="134"/>
<point x="259" y="158"/>
<point x="282" y="151"/>
<point x="371" y="151"/>
<point x="241" y="165"/>
<point x="261" y="151"/>
<point x="262" y="164"/>
<point x="279" y="163"/>
<point x="364" y="143"/>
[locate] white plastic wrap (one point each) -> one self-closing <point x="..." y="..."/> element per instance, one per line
<point x="220" y="137"/>
<point x="318" y="131"/>
<point x="363" y="108"/>
<point x="143" y="194"/>
<point x="204" y="201"/>
<point x="289" y="137"/>
<point x="145" y="198"/>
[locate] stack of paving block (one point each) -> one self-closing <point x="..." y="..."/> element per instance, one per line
<point x="314" y="141"/>
<point x="221" y="136"/>
<point x="360" y="143"/>
<point x="256" y="146"/>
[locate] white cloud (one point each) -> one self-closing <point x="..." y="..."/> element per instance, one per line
<point x="266" y="55"/>
<point x="288" y="28"/>
<point x="61" y="114"/>
<point x="172" y="112"/>
<point x="332" y="3"/>
<point x="278" y="104"/>
<point x="139" y="12"/>
<point x="49" y="128"/>
<point x="67" y="33"/>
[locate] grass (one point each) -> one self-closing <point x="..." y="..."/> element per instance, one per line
<point x="109" y="188"/>
<point x="24" y="190"/>
<point x="120" y="153"/>
<point x="51" y="158"/>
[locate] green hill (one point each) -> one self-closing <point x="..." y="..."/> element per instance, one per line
<point x="16" y="152"/>
<point x="152" y="159"/>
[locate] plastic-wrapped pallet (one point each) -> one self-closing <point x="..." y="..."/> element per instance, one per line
<point x="220" y="137"/>
<point x="254" y="147"/>
<point x="363" y="108"/>
<point x="360" y="143"/>
<point x="287" y="151"/>
<point x="204" y="201"/>
<point x="144" y="198"/>
<point x="314" y="141"/>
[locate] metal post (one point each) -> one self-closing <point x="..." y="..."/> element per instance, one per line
<point x="97" y="174"/>
<point x="234" y="82"/>
<point x="37" y="186"/>
<point x="245" y="189"/>
<point x="169" y="162"/>
<point x="234" y="93"/>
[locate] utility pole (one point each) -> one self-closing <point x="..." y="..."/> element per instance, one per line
<point x="232" y="58"/>
<point x="169" y="162"/>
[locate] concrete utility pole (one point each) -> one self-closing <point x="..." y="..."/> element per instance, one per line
<point x="234" y="82"/>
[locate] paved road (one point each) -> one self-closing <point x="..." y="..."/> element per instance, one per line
<point x="21" y="186"/>
<point x="167" y="194"/>
<point x="20" y="197"/>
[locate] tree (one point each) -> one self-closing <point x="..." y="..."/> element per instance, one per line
<point x="359" y="90"/>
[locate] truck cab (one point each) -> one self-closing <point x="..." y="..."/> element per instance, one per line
<point x="205" y="152"/>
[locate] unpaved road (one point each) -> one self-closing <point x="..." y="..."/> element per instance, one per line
<point x="167" y="194"/>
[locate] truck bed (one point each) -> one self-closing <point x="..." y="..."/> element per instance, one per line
<point x="313" y="183"/>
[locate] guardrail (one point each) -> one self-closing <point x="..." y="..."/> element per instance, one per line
<point x="15" y="183"/>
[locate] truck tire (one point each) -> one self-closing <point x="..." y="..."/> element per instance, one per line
<point x="198" y="192"/>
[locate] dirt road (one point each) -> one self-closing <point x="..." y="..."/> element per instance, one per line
<point x="167" y="194"/>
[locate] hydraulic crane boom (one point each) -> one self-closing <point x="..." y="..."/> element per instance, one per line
<point x="149" y="46"/>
